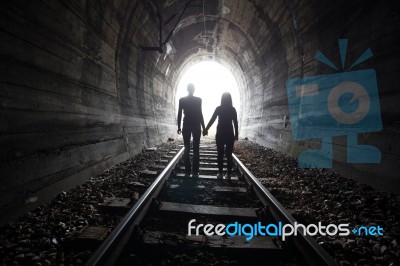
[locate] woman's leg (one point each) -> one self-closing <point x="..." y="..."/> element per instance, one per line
<point x="220" y="149"/>
<point x="229" y="150"/>
<point x="196" y="131"/>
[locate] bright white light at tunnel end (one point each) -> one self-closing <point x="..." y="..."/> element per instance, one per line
<point x="211" y="79"/>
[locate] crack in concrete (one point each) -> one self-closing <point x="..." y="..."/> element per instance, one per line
<point x="298" y="34"/>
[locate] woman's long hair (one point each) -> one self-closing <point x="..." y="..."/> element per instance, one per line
<point x="226" y="99"/>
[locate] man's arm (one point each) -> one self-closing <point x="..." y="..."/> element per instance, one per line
<point x="201" y="116"/>
<point x="179" y="116"/>
<point x="235" y="123"/>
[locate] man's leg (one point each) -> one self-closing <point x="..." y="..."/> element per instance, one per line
<point x="196" y="146"/>
<point x="186" y="141"/>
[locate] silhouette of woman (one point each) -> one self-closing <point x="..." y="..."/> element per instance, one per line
<point x="225" y="135"/>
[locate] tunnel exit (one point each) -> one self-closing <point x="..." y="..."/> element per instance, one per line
<point x="211" y="79"/>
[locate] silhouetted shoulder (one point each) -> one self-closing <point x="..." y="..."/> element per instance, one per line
<point x="197" y="99"/>
<point x="190" y="99"/>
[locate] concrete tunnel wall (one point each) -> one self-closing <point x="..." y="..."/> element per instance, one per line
<point x="78" y="94"/>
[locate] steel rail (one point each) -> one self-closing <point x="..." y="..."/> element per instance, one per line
<point x="311" y="251"/>
<point x="109" y="251"/>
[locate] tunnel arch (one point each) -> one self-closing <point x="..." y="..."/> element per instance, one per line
<point x="254" y="55"/>
<point x="227" y="55"/>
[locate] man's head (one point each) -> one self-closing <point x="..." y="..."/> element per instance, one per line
<point x="190" y="89"/>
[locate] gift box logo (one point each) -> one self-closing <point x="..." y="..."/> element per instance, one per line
<point x="344" y="103"/>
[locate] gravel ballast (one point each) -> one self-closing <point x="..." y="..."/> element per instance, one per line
<point x="45" y="235"/>
<point x="319" y="195"/>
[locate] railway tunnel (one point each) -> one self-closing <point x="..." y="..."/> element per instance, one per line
<point x="86" y="85"/>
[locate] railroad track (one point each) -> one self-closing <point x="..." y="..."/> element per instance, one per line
<point x="156" y="228"/>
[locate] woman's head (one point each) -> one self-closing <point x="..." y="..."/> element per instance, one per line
<point x="226" y="99"/>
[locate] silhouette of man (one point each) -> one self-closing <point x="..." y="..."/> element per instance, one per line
<point x="192" y="121"/>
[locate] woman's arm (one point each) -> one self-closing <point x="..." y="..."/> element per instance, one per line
<point x="212" y="120"/>
<point x="235" y="123"/>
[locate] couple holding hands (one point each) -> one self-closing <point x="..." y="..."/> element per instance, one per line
<point x="193" y="122"/>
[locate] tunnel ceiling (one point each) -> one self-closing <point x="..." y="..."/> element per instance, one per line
<point x="230" y="32"/>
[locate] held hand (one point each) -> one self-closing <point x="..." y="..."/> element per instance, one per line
<point x="179" y="131"/>
<point x="205" y="132"/>
<point x="236" y="137"/>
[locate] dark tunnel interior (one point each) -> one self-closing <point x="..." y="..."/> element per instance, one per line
<point x="88" y="84"/>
